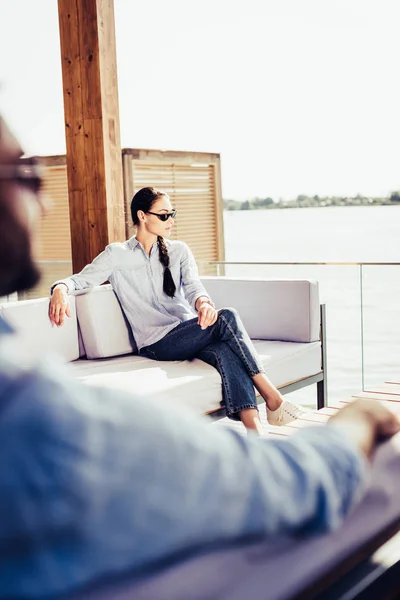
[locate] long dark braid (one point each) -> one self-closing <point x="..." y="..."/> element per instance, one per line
<point x="169" y="286"/>
<point x="144" y="200"/>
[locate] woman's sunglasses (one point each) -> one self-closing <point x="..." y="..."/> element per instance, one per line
<point x="163" y="216"/>
<point x="26" y="172"/>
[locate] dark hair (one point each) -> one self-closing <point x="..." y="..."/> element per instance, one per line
<point x="144" y="200"/>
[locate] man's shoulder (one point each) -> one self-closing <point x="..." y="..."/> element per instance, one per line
<point x="5" y="327"/>
<point x="49" y="393"/>
<point x="17" y="377"/>
<point x="26" y="395"/>
<point x="49" y="381"/>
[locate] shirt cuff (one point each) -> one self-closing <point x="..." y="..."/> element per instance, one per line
<point x="69" y="286"/>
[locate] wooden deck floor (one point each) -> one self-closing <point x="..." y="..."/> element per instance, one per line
<point x="387" y="393"/>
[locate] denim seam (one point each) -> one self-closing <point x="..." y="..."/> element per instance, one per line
<point x="251" y="371"/>
<point x="245" y="406"/>
<point x="228" y="407"/>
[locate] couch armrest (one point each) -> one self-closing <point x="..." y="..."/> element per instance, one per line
<point x="279" y="309"/>
<point x="35" y="336"/>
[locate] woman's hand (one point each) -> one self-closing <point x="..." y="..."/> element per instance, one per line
<point x="207" y="315"/>
<point x="59" y="306"/>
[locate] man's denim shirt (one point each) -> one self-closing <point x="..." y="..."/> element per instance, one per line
<point x="95" y="483"/>
<point x="137" y="279"/>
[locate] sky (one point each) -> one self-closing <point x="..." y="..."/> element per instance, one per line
<point x="298" y="96"/>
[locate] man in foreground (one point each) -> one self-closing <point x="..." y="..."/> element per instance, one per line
<point x="92" y="485"/>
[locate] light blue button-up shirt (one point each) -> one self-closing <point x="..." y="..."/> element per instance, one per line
<point x="95" y="483"/>
<point x="137" y="280"/>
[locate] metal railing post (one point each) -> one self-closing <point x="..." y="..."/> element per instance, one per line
<point x="362" y="327"/>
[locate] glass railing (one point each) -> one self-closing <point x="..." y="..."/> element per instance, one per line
<point x="362" y="306"/>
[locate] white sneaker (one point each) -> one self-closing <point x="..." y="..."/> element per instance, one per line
<point x="285" y="414"/>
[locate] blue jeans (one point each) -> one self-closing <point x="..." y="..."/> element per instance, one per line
<point x="224" y="345"/>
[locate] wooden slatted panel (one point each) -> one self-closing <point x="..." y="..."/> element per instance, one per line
<point x="51" y="271"/>
<point x="192" y="189"/>
<point x="55" y="233"/>
<point x="54" y="236"/>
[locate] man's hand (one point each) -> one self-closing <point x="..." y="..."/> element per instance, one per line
<point x="207" y="315"/>
<point x="59" y="306"/>
<point x="368" y="422"/>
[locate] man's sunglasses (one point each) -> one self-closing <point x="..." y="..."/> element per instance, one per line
<point x="26" y="171"/>
<point x="163" y="216"/>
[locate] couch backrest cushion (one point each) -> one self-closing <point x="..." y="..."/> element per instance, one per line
<point x="285" y="310"/>
<point x="281" y="309"/>
<point x="104" y="328"/>
<point x="35" y="335"/>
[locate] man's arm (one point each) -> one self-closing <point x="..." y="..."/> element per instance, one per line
<point x="95" y="469"/>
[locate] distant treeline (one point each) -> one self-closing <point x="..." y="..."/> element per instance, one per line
<point x="303" y="201"/>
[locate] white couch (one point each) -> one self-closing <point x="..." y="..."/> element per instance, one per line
<point x="281" y="316"/>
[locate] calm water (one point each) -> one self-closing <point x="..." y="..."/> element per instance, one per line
<point x="345" y="234"/>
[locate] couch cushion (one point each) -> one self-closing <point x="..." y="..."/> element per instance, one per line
<point x="35" y="335"/>
<point x="286" y="362"/>
<point x="195" y="384"/>
<point x="271" y="309"/>
<point x="105" y="330"/>
<point x="286" y="310"/>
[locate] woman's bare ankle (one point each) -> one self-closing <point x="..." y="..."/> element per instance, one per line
<point x="272" y="396"/>
<point x="273" y="402"/>
<point x="251" y="420"/>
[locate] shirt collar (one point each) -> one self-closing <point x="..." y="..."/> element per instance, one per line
<point x="5" y="327"/>
<point x="133" y="243"/>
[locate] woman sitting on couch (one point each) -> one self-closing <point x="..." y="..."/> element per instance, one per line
<point x="170" y="313"/>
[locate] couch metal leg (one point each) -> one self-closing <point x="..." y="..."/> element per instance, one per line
<point x="321" y="394"/>
<point x="322" y="386"/>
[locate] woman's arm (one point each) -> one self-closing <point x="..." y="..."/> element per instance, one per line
<point x="193" y="289"/>
<point x="203" y="300"/>
<point x="206" y="311"/>
<point x="98" y="271"/>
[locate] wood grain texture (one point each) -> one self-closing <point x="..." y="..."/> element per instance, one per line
<point x="94" y="164"/>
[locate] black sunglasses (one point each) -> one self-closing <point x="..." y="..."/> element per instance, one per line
<point x="27" y="172"/>
<point x="163" y="216"/>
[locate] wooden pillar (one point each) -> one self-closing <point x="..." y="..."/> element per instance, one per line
<point x="94" y="162"/>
